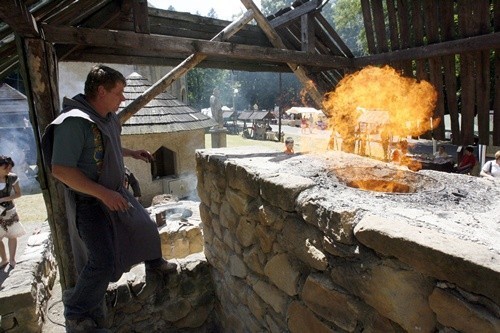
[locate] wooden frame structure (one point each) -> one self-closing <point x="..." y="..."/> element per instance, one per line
<point x="419" y="37"/>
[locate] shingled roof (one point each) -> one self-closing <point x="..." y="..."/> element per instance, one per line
<point x="13" y="108"/>
<point x="163" y="114"/>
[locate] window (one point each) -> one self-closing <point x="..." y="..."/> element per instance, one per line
<point x="164" y="163"/>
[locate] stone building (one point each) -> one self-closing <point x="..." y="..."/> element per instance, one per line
<point x="172" y="131"/>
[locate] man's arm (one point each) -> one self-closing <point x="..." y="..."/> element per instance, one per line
<point x="140" y="154"/>
<point x="76" y="179"/>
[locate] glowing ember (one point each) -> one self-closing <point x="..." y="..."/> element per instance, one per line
<point x="378" y="104"/>
<point x="378" y="185"/>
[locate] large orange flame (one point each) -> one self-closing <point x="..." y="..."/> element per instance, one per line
<point x="405" y="104"/>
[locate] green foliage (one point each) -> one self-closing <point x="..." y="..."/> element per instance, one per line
<point x="201" y="83"/>
<point x="269" y="7"/>
<point x="262" y="89"/>
<point x="212" y="13"/>
<point x="347" y="19"/>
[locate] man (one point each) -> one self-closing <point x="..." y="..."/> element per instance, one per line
<point x="109" y="229"/>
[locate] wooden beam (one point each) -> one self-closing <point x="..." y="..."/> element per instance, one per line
<point x="307" y="33"/>
<point x="18" y="17"/>
<point x="290" y="16"/>
<point x="39" y="70"/>
<point x="161" y="45"/>
<point x="274" y="38"/>
<point x="99" y="19"/>
<point x="465" y="45"/>
<point x="141" y="18"/>
<point x="180" y="70"/>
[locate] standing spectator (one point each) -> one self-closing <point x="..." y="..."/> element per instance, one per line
<point x="10" y="227"/>
<point x="303" y="125"/>
<point x="110" y="231"/>
<point x="491" y="169"/>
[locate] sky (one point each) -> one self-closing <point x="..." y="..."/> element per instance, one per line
<point x="225" y="9"/>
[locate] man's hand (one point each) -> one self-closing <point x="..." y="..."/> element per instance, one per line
<point x="115" y="201"/>
<point x="140" y="154"/>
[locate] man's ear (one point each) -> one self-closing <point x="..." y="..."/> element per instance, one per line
<point x="101" y="91"/>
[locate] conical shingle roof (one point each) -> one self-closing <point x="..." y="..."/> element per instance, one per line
<point x="14" y="109"/>
<point x="163" y="114"/>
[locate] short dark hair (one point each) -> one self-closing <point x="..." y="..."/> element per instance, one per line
<point x="469" y="148"/>
<point x="6" y="160"/>
<point x="102" y="75"/>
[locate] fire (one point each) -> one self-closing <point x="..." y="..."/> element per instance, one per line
<point x="379" y="104"/>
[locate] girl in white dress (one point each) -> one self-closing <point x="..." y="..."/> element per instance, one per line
<point x="10" y="227"/>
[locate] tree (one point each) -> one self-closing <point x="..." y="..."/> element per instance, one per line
<point x="269" y="7"/>
<point x="212" y="13"/>
<point x="201" y="83"/>
<point x="347" y="19"/>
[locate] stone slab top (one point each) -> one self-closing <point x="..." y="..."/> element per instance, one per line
<point x="460" y="207"/>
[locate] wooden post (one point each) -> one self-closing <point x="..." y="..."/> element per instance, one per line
<point x="39" y="69"/>
<point x="181" y="69"/>
<point x="275" y="39"/>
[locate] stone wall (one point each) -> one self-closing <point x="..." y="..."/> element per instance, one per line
<point x="177" y="302"/>
<point x="27" y="289"/>
<point x="181" y="302"/>
<point x="292" y="251"/>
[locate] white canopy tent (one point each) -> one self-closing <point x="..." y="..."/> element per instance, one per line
<point x="303" y="110"/>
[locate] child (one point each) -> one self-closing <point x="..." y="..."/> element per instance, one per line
<point x="289" y="146"/>
<point x="10" y="226"/>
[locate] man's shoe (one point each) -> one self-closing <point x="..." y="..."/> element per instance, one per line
<point x="80" y="325"/>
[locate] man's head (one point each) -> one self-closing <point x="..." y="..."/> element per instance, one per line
<point x="470" y="149"/>
<point x="104" y="88"/>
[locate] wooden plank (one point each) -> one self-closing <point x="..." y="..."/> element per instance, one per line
<point x="300" y="72"/>
<point x="496" y="104"/>
<point x="465" y="12"/>
<point x="141" y="18"/>
<point x="307" y="33"/>
<point x="368" y="23"/>
<point x="431" y="19"/>
<point x="98" y="20"/>
<point x="240" y="65"/>
<point x="74" y="12"/>
<point x="39" y="70"/>
<point x="393" y="24"/>
<point x="160" y="45"/>
<point x="468" y="44"/>
<point x="482" y="65"/>
<point x="418" y="32"/>
<point x="180" y="70"/>
<point x="18" y="17"/>
<point x="379" y="24"/>
<point x="403" y="17"/>
<point x="294" y="14"/>
<point x="333" y="35"/>
<point x="447" y="28"/>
